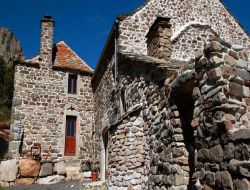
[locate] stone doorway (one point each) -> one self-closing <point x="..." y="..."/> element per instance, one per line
<point x="182" y="98"/>
<point x="105" y="141"/>
<point x="104" y="154"/>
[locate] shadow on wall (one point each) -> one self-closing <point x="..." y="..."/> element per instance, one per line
<point x="182" y="98"/>
<point x="3" y="148"/>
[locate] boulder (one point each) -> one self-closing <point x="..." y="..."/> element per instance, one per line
<point x="29" y="168"/>
<point x="168" y="180"/>
<point x="216" y="153"/>
<point x="25" y="181"/>
<point x="241" y="135"/>
<point x="242" y="64"/>
<point x="241" y="152"/>
<point x="210" y="179"/>
<point x="73" y="172"/>
<point x="237" y="47"/>
<point x="223" y="180"/>
<point x="213" y="46"/>
<point x="46" y="169"/>
<point x="236" y="89"/>
<point x="86" y="174"/>
<point x="226" y="180"/>
<point x="230" y="60"/>
<point x="242" y="184"/>
<point x="203" y="155"/>
<point x="157" y="179"/>
<point x="242" y="73"/>
<point x="178" y="180"/>
<point x="229" y="151"/>
<point x="51" y="179"/>
<point x="8" y="170"/>
<point x="239" y="168"/>
<point x="59" y="168"/>
<point x="214" y="73"/>
<point x="182" y="160"/>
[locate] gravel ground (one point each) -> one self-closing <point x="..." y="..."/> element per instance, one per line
<point x="72" y="185"/>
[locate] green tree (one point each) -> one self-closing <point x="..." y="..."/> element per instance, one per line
<point x="6" y="89"/>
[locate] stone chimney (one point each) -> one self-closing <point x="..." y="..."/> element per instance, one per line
<point x="46" y="44"/>
<point x="158" y="39"/>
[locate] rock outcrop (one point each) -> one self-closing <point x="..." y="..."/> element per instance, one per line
<point x="10" y="47"/>
<point x="10" y="51"/>
<point x="29" y="168"/>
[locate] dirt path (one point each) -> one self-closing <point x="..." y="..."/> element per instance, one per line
<point x="72" y="185"/>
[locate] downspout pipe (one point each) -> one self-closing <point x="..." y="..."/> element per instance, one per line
<point x="116" y="50"/>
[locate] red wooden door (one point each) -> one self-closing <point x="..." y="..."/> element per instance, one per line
<point x="70" y="136"/>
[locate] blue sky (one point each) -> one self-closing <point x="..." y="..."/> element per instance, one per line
<point x="84" y="25"/>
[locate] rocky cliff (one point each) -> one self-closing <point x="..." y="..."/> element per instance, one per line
<point x="10" y="48"/>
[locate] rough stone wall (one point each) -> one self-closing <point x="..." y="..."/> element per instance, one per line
<point x="105" y="104"/>
<point x="184" y="16"/>
<point x="222" y="110"/>
<point x="129" y="155"/>
<point x="200" y="142"/>
<point x="183" y="128"/>
<point x="192" y="41"/>
<point x="40" y="105"/>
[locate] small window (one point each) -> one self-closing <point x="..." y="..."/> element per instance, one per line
<point x="72" y="84"/>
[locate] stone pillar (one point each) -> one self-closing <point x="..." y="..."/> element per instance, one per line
<point x="47" y="34"/>
<point x="158" y="39"/>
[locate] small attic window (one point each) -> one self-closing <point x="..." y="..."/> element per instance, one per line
<point x="72" y="84"/>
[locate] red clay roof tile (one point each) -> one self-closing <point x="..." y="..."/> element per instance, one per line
<point x="67" y="58"/>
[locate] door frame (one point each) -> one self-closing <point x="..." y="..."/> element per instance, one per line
<point x="69" y="137"/>
<point x="77" y="132"/>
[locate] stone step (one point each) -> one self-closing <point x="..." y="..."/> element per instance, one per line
<point x="73" y="163"/>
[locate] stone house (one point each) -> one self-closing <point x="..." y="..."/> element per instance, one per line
<point x="53" y="101"/>
<point x="169" y="102"/>
<point x="171" y="98"/>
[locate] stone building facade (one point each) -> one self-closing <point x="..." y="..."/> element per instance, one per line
<point x="171" y="94"/>
<point x="53" y="102"/>
<point x="166" y="108"/>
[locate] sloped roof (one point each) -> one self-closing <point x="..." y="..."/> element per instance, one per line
<point x="33" y="59"/>
<point x="63" y="57"/>
<point x="67" y="58"/>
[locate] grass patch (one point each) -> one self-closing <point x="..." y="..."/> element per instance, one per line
<point x="104" y="186"/>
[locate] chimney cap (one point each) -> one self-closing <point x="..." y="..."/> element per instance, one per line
<point x="48" y="18"/>
<point x="159" y="21"/>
